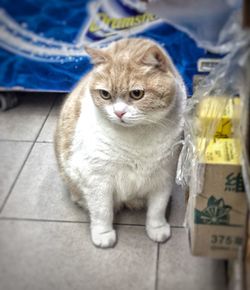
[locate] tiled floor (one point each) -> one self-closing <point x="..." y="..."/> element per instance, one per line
<point x="44" y="237"/>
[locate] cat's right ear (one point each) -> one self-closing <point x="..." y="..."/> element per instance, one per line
<point x="98" y="56"/>
<point x="155" y="58"/>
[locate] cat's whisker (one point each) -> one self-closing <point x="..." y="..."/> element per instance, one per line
<point x="153" y="122"/>
<point x="169" y="121"/>
<point x="146" y="119"/>
<point x="166" y="120"/>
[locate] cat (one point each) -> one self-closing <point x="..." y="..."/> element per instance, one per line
<point x="115" y="136"/>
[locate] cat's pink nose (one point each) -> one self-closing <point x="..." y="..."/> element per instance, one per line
<point x="119" y="114"/>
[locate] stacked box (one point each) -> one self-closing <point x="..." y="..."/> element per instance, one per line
<point x="217" y="205"/>
<point x="221" y="113"/>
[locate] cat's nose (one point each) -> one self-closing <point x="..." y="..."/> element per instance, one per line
<point x="119" y="114"/>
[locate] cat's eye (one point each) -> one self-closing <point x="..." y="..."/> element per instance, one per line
<point x="105" y="94"/>
<point x="136" y="94"/>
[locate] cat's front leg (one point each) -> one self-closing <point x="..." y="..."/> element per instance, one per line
<point x="100" y="204"/>
<point x="157" y="227"/>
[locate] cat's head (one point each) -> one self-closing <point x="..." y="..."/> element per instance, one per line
<point x="133" y="82"/>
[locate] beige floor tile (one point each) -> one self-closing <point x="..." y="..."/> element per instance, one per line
<point x="39" y="192"/>
<point x="47" y="133"/>
<point x="25" y="121"/>
<point x="179" y="270"/>
<point x="44" y="255"/>
<point x="12" y="156"/>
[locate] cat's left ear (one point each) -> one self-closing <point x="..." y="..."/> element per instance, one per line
<point x="155" y="57"/>
<point x="98" y="56"/>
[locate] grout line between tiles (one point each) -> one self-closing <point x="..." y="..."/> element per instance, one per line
<point x="58" y="221"/>
<point x="157" y="266"/>
<point x="177" y="227"/>
<point x="24" y="141"/>
<point x="46" y="118"/>
<point x="27" y="156"/>
<point x="14" y="141"/>
<point x="67" y="221"/>
<point x="42" y="220"/>
<point x="16" y="178"/>
<point x="46" y="142"/>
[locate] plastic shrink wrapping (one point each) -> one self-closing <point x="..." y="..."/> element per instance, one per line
<point x="216" y="145"/>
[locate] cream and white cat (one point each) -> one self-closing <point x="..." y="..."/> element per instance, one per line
<point x="115" y="136"/>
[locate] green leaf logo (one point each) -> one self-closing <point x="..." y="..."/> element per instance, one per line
<point x="216" y="213"/>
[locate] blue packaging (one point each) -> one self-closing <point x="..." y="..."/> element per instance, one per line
<point x="42" y="42"/>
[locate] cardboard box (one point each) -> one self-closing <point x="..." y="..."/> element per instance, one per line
<point x="210" y="115"/>
<point x="217" y="205"/>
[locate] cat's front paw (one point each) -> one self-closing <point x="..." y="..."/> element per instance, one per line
<point x="104" y="239"/>
<point x="159" y="234"/>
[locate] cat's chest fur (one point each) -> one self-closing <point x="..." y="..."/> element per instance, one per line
<point x="131" y="161"/>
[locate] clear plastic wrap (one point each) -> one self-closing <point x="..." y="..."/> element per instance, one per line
<point x="245" y="122"/>
<point x="214" y="25"/>
<point x="215" y="146"/>
<point x="229" y="80"/>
